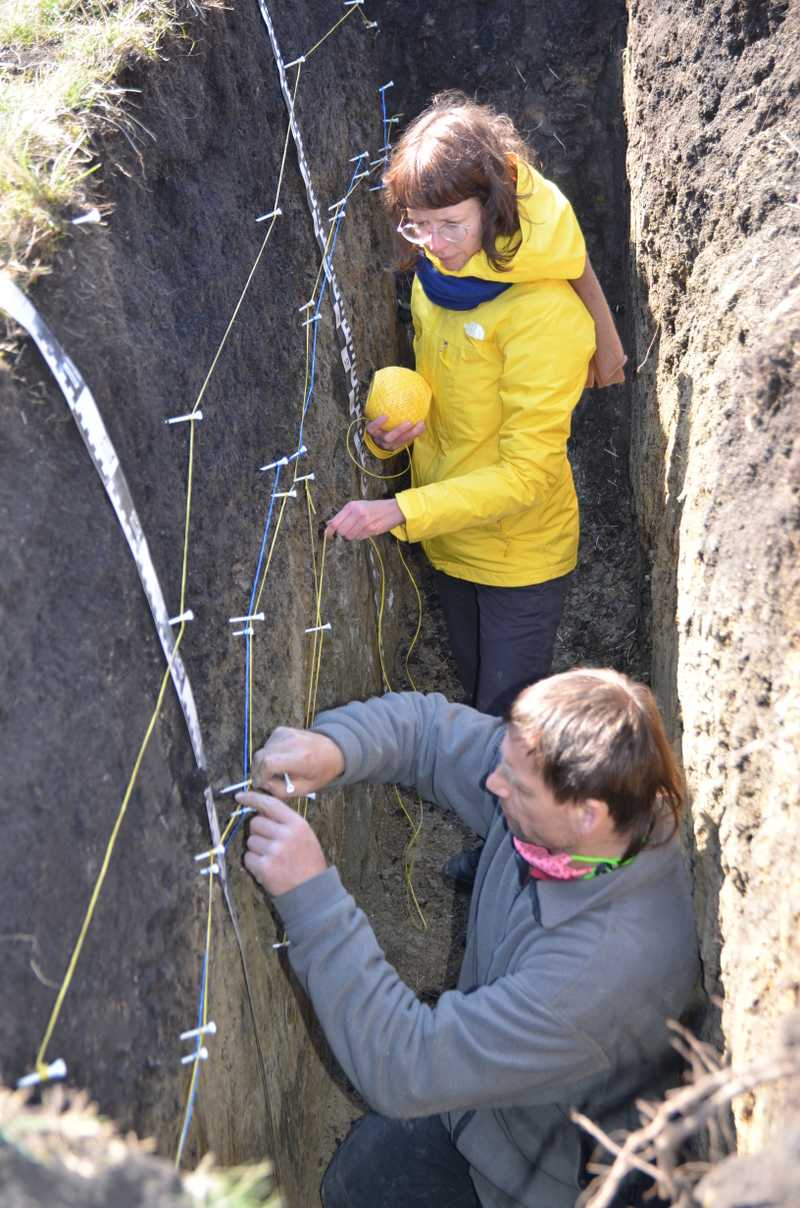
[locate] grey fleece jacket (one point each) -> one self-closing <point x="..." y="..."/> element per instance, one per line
<point x="564" y="988"/>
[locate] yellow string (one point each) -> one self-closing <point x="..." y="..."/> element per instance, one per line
<point x="203" y="1020"/>
<point x="41" y="1064"/>
<point x="409" y="855"/>
<point x="317" y="45"/>
<point x="257" y="260"/>
<point x="417" y="631"/>
<point x="370" y="473"/>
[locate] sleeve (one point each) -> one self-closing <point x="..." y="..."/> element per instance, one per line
<point x="545" y="360"/>
<point x="501" y="1045"/>
<point x="444" y="751"/>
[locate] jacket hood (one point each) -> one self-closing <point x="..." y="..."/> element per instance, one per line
<point x="552" y="245"/>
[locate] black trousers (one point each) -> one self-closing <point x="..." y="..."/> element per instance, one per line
<point x="414" y="1164"/>
<point x="398" y="1164"/>
<point x="502" y="638"/>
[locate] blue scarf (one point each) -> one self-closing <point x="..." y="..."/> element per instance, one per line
<point x="455" y="293"/>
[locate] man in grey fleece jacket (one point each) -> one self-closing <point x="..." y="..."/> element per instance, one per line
<point x="580" y="941"/>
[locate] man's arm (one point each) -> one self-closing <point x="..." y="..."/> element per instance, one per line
<point x="421" y="741"/>
<point x="501" y="1045"/>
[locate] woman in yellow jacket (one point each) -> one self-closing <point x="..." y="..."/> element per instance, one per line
<point x="505" y="343"/>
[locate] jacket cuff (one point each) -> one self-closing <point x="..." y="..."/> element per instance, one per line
<point x="299" y="907"/>
<point x="376" y="450"/>
<point x="412" y="507"/>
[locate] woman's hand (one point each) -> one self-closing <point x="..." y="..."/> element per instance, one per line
<point x="396" y="438"/>
<point x="282" y="850"/>
<point x="362" y="518"/>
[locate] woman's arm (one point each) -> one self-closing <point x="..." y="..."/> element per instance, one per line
<point x="606" y="367"/>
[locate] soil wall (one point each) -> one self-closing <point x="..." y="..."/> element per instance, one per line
<point x="712" y="107"/>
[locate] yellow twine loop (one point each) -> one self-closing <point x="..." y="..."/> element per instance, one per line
<point x="371" y="473"/>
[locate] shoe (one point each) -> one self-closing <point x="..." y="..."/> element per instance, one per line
<point x="460" y="870"/>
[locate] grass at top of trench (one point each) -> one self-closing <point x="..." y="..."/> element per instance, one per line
<point x="59" y="60"/>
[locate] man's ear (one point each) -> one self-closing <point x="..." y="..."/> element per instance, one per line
<point x="590" y="815"/>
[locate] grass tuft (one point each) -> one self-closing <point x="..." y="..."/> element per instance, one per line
<point x="58" y="63"/>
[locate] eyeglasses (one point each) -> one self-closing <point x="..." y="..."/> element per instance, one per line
<point x="422" y="232"/>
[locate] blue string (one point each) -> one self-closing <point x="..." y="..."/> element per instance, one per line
<point x="190" y="1108"/>
<point x="385" y="118"/>
<point x="249" y="624"/>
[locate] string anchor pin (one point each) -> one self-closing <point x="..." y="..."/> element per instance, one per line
<point x="183" y="419"/>
<point x="199" y="1055"/>
<point x="282" y="461"/>
<point x="56" y="1069"/>
<point x="294" y="62"/>
<point x="276" y="213"/>
<point x="318" y="628"/>
<point x="207" y="1029"/>
<point x="219" y="850"/>
<point x="251" y="616"/>
<point x="234" y="788"/>
<point x="211" y="870"/>
<point x="181" y="617"/>
<point x="288" y="783"/>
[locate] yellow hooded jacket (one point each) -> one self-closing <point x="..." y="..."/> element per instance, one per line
<point x="493" y="499"/>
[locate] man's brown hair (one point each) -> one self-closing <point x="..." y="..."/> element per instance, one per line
<point x="596" y="733"/>
<point x="456" y="149"/>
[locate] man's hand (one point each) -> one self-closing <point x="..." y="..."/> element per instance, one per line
<point x="396" y="438"/>
<point x="361" y="518"/>
<point x="309" y="760"/>
<point x="282" y="850"/>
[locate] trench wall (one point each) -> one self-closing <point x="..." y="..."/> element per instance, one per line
<point x="711" y="97"/>
<point x="141" y="304"/>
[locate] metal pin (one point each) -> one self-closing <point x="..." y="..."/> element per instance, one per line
<point x="313" y="319"/>
<point x="243" y="809"/>
<point x="355" y="158"/>
<point x="310" y="796"/>
<point x="243" y="633"/>
<point x="272" y="214"/>
<point x="383" y="87"/>
<point x="182" y="419"/>
<point x="282" y="944"/>
<point x="294" y="62"/>
<point x="298" y="453"/>
<point x="370" y="25"/>
<point x="210" y="870"/>
<point x="305" y="306"/>
<point x="182" y="616"/>
<point x="374" y="162"/>
<point x="305" y="478"/>
<point x="219" y="850"/>
<point x="234" y="788"/>
<point x="199" y="1055"/>
<point x="288" y="783"/>
<point x="391" y="120"/>
<point x="283" y="461"/>
<point x="56" y="1069"/>
<point x="375" y="188"/>
<point x="90" y="216"/>
<point x="209" y="1029"/>
<point x="340" y="202"/>
<point x="251" y="616"/>
<point x="284" y="495"/>
<point x="352" y="3"/>
<point x="317" y="628"/>
<point x="360" y="176"/>
<point x="386" y="147"/>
